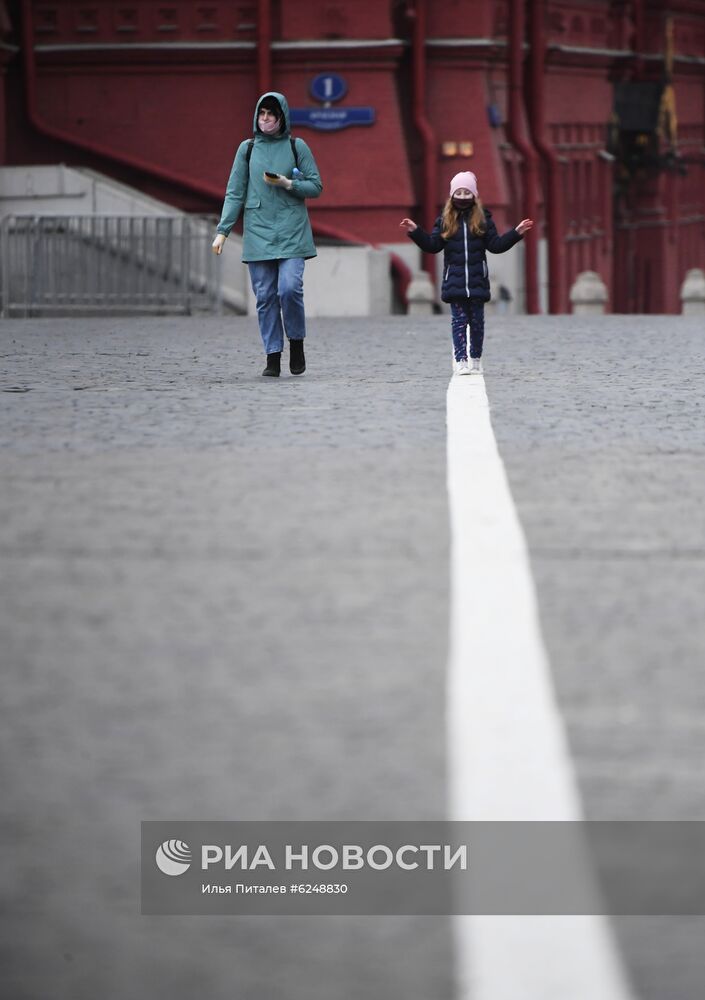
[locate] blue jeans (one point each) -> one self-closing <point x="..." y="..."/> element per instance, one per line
<point x="279" y="289"/>
<point x="464" y="312"/>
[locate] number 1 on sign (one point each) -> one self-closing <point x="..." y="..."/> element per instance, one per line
<point x="328" y="87"/>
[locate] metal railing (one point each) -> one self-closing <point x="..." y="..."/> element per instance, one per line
<point x="59" y="265"/>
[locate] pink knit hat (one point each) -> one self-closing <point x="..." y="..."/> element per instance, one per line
<point x="465" y="180"/>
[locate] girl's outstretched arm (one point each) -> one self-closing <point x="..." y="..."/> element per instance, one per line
<point x="431" y="244"/>
<point x="500" y="244"/>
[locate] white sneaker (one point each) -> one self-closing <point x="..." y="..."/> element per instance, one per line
<point x="476" y="366"/>
<point x="462" y="368"/>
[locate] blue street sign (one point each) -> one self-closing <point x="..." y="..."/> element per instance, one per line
<point x="328" y="87"/>
<point x="329" y="119"/>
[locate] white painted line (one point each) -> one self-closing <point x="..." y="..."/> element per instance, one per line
<point x="508" y="753"/>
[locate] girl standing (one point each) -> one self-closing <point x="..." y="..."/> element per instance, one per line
<point x="465" y="231"/>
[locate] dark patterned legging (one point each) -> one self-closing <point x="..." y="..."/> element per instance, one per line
<point x="464" y="311"/>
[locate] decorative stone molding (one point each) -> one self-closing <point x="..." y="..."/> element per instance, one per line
<point x="693" y="293"/>
<point x="588" y="295"/>
<point x="420" y="295"/>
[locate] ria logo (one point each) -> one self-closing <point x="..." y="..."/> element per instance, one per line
<point x="173" y="857"/>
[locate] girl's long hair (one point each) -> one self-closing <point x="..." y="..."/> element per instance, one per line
<point x="450" y="220"/>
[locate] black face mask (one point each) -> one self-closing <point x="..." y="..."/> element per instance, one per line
<point x="462" y="203"/>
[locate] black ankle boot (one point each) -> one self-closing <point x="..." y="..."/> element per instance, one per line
<point x="274" y="364"/>
<point x="297" y="361"/>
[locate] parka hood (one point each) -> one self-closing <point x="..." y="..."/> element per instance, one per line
<point x="283" y="103"/>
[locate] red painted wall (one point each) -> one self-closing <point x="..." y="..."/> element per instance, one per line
<point x="162" y="91"/>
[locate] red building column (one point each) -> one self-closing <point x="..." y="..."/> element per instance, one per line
<point x="7" y="51"/>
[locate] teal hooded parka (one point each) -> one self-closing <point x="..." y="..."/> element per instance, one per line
<point x="275" y="221"/>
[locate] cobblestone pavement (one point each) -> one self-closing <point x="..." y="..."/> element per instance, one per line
<point x="226" y="597"/>
<point x="600" y="425"/>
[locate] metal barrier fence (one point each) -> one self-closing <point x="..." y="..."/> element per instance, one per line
<point x="59" y="265"/>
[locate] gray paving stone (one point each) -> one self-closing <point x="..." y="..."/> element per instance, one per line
<point x="600" y="424"/>
<point x="224" y="596"/>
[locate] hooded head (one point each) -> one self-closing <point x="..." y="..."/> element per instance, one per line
<point x="465" y="180"/>
<point x="277" y="104"/>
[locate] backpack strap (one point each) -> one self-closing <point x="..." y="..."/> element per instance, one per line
<point x="248" y="155"/>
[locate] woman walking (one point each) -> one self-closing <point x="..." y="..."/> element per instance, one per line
<point x="271" y="177"/>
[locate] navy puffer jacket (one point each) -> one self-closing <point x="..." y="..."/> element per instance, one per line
<point x="464" y="261"/>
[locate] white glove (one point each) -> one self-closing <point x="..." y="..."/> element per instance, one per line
<point x="279" y="180"/>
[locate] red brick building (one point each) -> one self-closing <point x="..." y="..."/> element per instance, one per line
<point x="588" y="116"/>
